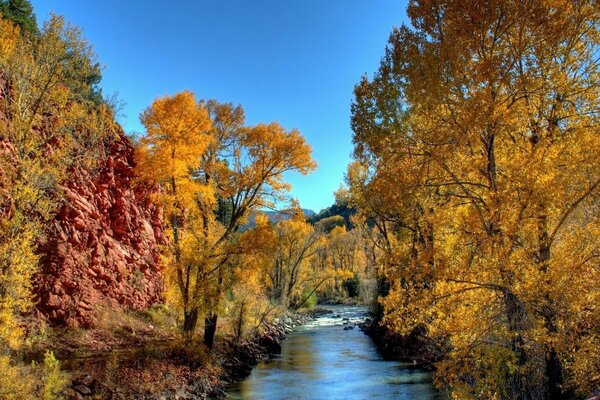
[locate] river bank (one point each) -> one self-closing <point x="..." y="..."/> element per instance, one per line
<point x="416" y="347"/>
<point x="240" y="358"/>
<point x="130" y="358"/>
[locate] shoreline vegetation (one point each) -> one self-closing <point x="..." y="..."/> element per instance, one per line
<point x="132" y="356"/>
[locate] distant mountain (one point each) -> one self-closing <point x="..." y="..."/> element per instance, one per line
<point x="308" y="213"/>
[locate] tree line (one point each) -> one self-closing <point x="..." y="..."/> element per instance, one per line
<point x="477" y="162"/>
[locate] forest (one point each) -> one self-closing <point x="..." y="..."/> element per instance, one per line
<point x="468" y="221"/>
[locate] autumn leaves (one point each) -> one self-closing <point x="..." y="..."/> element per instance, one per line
<point x="476" y="177"/>
<point x="213" y="172"/>
<point x="477" y="159"/>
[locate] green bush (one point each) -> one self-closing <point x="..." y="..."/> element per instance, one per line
<point x="311" y="302"/>
<point x="53" y="378"/>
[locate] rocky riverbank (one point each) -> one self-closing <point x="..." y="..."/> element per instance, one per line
<point x="164" y="367"/>
<point x="240" y="358"/>
<point x="416" y="347"/>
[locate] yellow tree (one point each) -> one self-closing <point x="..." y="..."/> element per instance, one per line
<point x="290" y="272"/>
<point x="45" y="129"/>
<point x="344" y="256"/>
<point x="251" y="304"/>
<point x="248" y="175"/>
<point x="465" y="102"/>
<point x="297" y="261"/>
<point x="48" y="124"/>
<point x="215" y="171"/>
<point x="177" y="136"/>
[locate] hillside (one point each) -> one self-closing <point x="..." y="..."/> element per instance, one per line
<point x="340" y="209"/>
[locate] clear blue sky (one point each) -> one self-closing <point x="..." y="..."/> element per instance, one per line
<point x="291" y="61"/>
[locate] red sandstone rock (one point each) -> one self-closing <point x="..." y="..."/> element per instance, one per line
<point x="102" y="249"/>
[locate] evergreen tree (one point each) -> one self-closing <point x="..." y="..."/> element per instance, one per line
<point x="20" y="12"/>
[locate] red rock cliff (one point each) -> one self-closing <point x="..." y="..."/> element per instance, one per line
<point x="102" y="250"/>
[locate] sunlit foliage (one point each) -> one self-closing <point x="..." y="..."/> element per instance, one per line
<point x="477" y="159"/>
<point x="214" y="171"/>
<point x="49" y="122"/>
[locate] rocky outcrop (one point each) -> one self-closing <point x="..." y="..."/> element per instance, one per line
<point x="102" y="249"/>
<point x="103" y="246"/>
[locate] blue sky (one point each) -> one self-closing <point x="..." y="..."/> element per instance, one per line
<point x="291" y="61"/>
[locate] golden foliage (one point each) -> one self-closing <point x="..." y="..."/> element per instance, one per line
<point x="15" y="382"/>
<point x="477" y="159"/>
<point x="53" y="379"/>
<point x="213" y="172"/>
<point x="48" y="123"/>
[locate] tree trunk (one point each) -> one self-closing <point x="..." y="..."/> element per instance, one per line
<point x="240" y="323"/>
<point x="520" y="386"/>
<point x="210" y="329"/>
<point x="210" y="321"/>
<point x="555" y="375"/>
<point x="554" y="368"/>
<point x="190" y="319"/>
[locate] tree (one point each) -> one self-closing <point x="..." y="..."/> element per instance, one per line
<point x="45" y="132"/>
<point x="252" y="161"/>
<point x="465" y="101"/>
<point x="21" y="13"/>
<point x="289" y="271"/>
<point x="344" y="252"/>
<point x="177" y="136"/>
<point x="294" y="264"/>
<point x="329" y="223"/>
<point x="215" y="173"/>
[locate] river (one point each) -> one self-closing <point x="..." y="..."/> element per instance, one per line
<point x="321" y="361"/>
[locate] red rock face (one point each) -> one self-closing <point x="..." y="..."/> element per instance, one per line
<point x="103" y="245"/>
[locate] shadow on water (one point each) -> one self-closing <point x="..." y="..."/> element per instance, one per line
<point x="322" y="361"/>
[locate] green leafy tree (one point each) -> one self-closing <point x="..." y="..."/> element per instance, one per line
<point x="21" y="13"/>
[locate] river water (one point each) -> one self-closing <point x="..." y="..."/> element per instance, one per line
<point x="321" y="361"/>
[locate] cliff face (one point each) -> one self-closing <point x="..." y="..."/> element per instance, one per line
<point x="102" y="249"/>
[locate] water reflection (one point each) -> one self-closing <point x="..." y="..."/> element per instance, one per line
<point x="324" y="361"/>
<point x="300" y="363"/>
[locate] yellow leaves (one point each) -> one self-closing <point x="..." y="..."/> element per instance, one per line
<point x="277" y="150"/>
<point x="177" y="136"/>
<point x="33" y="382"/>
<point x="49" y="127"/>
<point x="213" y="173"/>
<point x="14" y="384"/>
<point x="54" y="380"/>
<point x="477" y="163"/>
<point x="170" y="156"/>
<point x="342" y="274"/>
<point x="265" y="153"/>
<point x="262" y="240"/>
<point x="9" y="35"/>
